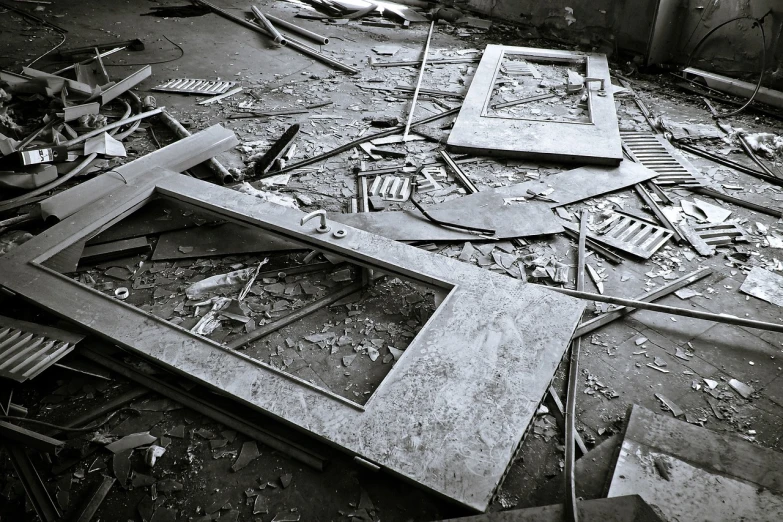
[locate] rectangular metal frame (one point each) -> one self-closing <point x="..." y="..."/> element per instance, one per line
<point x="449" y="416"/>
<point x="597" y="142"/>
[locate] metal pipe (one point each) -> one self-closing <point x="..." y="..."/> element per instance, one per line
<point x="302" y="48"/>
<point x="573" y="380"/>
<point x="114" y="125"/>
<point x="276" y="36"/>
<point x="321" y="40"/>
<point x="707" y="316"/>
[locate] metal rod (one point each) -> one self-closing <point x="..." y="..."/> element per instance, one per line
<point x="737" y="201"/>
<point x="524" y="100"/>
<point x="276" y="36"/>
<point x="442" y="61"/>
<point x="604" y="319"/>
<point x="684" y="312"/>
<point x="359" y="141"/>
<point x="319" y="39"/>
<point x="418" y="83"/>
<point x="573" y="379"/>
<point x="596" y="247"/>
<point x="88" y="60"/>
<point x="731" y="164"/>
<point x="114" y="125"/>
<point x="95" y="500"/>
<point x="306" y="310"/>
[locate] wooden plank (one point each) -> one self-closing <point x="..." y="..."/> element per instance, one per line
<point x="180" y="155"/>
<point x="475" y="132"/>
<point x="219" y="240"/>
<point x="700" y="466"/>
<point x="455" y="447"/>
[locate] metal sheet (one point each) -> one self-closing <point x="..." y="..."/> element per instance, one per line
<point x="509" y="221"/>
<point x="570" y="186"/>
<point x="449" y="416"/>
<point x="631" y="235"/>
<point x="596" y="142"/>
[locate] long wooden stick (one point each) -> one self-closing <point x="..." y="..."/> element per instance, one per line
<point x="673" y="310"/>
<point x="418" y="83"/>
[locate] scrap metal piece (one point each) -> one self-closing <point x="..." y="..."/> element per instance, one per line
<point x="195" y="86"/>
<point x="705" y="238"/>
<point x="95" y="500"/>
<point x="428" y="184"/>
<point x="655" y="209"/>
<point x="391" y="188"/>
<point x="264" y="164"/>
<point x="631" y="235"/>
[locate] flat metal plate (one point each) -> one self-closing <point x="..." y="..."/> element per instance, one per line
<point x="596" y="142"/>
<point x="709" y="476"/>
<point x="451" y="413"/>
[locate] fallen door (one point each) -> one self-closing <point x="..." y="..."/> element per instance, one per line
<point x="540" y="103"/>
<point x="451" y="412"/>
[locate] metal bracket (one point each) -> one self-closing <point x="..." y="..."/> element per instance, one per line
<point x="602" y="90"/>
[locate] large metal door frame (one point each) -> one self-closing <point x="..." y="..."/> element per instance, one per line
<point x="449" y="416"/>
<point x="596" y="142"/>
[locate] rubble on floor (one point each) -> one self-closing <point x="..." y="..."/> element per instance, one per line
<point x="330" y="253"/>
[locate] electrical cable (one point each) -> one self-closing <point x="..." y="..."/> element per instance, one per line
<point x="181" y="54"/>
<point x="757" y="22"/>
<point x="49" y="51"/>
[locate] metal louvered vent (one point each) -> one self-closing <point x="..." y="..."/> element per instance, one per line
<point x="27" y="349"/>
<point x="655" y="153"/>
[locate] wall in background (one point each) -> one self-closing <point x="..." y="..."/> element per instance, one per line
<point x="625" y="25"/>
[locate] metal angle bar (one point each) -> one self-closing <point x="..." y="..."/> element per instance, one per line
<point x="648" y="200"/>
<point x="418" y="83"/>
<point x="558" y="410"/>
<point x="524" y="100"/>
<point x="463" y="178"/>
<point x="95" y="500"/>
<point x="729" y="163"/>
<point x="33" y="485"/>
<point x="596" y="247"/>
<point x="202" y="406"/>
<point x="322" y="40"/>
<point x="737" y="201"/>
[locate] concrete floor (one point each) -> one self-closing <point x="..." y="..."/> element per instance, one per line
<point x="281" y="78"/>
